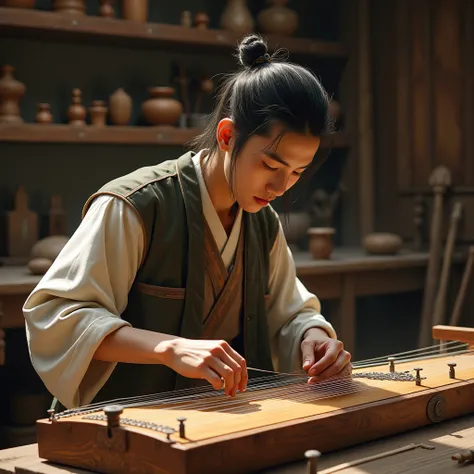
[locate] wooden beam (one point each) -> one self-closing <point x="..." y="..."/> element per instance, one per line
<point x="365" y="121"/>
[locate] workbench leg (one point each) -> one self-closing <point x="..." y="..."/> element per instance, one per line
<point x="344" y="316"/>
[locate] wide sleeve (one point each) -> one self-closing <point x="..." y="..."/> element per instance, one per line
<point x="79" y="301"/>
<point x="291" y="309"/>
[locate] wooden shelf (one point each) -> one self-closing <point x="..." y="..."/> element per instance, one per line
<point x="63" y="133"/>
<point x="128" y="135"/>
<point x="20" y="22"/>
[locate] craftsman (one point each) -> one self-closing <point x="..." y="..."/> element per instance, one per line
<point x="179" y="273"/>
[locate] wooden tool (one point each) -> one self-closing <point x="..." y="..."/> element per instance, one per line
<point x="440" y="180"/>
<point x="22" y="226"/>
<point x="278" y="419"/>
<point x="458" y="304"/>
<point x="439" y="309"/>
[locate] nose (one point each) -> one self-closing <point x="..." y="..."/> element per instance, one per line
<point x="278" y="185"/>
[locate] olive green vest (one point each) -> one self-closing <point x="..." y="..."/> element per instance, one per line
<point x="168" y="293"/>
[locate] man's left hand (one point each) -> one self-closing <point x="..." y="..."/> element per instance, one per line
<point x="324" y="357"/>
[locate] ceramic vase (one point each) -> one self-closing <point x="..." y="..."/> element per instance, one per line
<point x="98" y="113"/>
<point x="135" y="10"/>
<point x="11" y="91"/>
<point x="75" y="7"/>
<point x="278" y="19"/>
<point x="120" y="107"/>
<point x="43" y="114"/>
<point x="237" y="17"/>
<point x="321" y="242"/>
<point x="161" y="108"/>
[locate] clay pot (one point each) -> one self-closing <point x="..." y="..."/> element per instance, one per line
<point x="74" y="7"/>
<point x="202" y="20"/>
<point x="135" y="10"/>
<point x="382" y="243"/>
<point x="106" y="9"/>
<point x="43" y="114"/>
<point x="321" y="242"/>
<point x="76" y="112"/>
<point x="278" y="19"/>
<point x="11" y="91"/>
<point x="49" y="247"/>
<point x="120" y="107"/>
<point x="162" y="108"/>
<point x="18" y="3"/>
<point x="237" y="17"/>
<point x="39" y="266"/>
<point x="98" y="113"/>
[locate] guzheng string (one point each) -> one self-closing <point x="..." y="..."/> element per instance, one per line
<point x="289" y="387"/>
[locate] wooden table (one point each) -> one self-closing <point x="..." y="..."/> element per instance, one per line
<point x="447" y="438"/>
<point x="348" y="275"/>
<point x="351" y="273"/>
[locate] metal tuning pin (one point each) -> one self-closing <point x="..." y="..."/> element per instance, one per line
<point x="168" y="432"/>
<point x="418" y="377"/>
<point x="312" y="456"/>
<point x="52" y="414"/>
<point x="113" y="412"/>
<point x="182" y="428"/>
<point x="452" y="372"/>
<point x="391" y="361"/>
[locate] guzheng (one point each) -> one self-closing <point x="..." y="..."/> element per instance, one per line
<point x="278" y="418"/>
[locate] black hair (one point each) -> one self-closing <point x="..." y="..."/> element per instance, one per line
<point x="264" y="91"/>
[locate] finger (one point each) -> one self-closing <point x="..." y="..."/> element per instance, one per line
<point x="213" y="378"/>
<point x="244" y="377"/>
<point x="224" y="371"/>
<point x="340" y="367"/>
<point x="307" y="354"/>
<point x="329" y="358"/>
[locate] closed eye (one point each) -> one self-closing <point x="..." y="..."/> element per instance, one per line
<point x="269" y="167"/>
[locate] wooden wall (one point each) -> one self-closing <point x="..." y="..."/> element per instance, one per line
<point x="423" y="55"/>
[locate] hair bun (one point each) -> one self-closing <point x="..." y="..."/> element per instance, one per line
<point x="250" y="49"/>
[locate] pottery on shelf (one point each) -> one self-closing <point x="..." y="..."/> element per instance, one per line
<point x="98" y="113"/>
<point x="44" y="253"/>
<point x="321" y="242"/>
<point x="278" y="19"/>
<point x="382" y="243"/>
<point x="43" y="114"/>
<point x="74" y="7"/>
<point x="202" y="20"/>
<point x="135" y="10"/>
<point x="76" y="112"/>
<point x="162" y="108"/>
<point x="106" y="9"/>
<point x="120" y="107"/>
<point x="11" y="91"/>
<point x="237" y="17"/>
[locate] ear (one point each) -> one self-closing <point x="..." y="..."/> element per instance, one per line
<point x="225" y="133"/>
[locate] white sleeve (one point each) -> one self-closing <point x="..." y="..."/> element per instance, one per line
<point x="79" y="301"/>
<point x="292" y="309"/>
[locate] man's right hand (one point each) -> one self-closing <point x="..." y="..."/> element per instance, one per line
<point x="212" y="360"/>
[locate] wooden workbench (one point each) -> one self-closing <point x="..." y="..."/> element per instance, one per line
<point x="349" y="274"/>
<point x="446" y="439"/>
